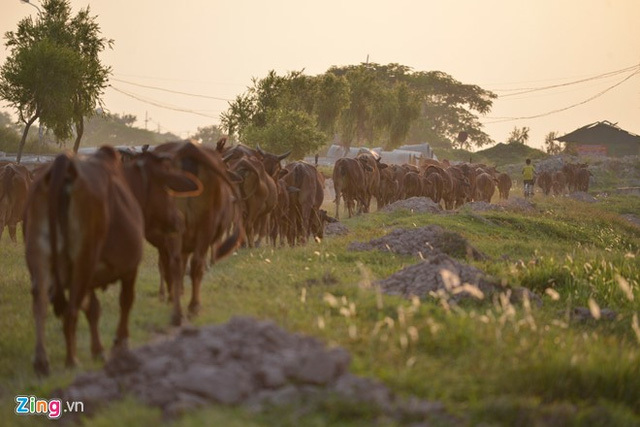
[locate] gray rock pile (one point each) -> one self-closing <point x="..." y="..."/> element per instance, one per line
<point x="243" y="362"/>
<point x="335" y="229"/>
<point x="415" y="204"/>
<point x="439" y="274"/>
<point x="423" y="241"/>
<point x="582" y="197"/>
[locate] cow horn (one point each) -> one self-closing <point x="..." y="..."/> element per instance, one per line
<point x="284" y="156"/>
<point x="259" y="149"/>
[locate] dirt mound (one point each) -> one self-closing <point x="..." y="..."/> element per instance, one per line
<point x="582" y="197"/>
<point x="414" y="204"/>
<point x="439" y="272"/>
<point x="335" y="229"/>
<point x="245" y="361"/>
<point x="424" y="241"/>
<point x="633" y="219"/>
<point x="444" y="277"/>
<point x="518" y="204"/>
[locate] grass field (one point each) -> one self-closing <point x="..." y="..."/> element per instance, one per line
<point x="489" y="362"/>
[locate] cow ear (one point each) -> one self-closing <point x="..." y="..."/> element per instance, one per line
<point x="183" y="184"/>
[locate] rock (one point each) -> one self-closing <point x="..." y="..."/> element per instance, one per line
<point x="415" y="204"/>
<point x="422" y="242"/>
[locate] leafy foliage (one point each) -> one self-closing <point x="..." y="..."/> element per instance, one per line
<point x="53" y="72"/>
<point x="369" y="104"/>
<point x="208" y="134"/>
<point x="551" y="145"/>
<point x="518" y="135"/>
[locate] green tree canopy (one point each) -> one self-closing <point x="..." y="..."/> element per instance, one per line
<point x="208" y="134"/>
<point x="518" y="135"/>
<point x="371" y="104"/>
<point x="53" y="73"/>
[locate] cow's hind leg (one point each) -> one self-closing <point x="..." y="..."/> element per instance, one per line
<point x="69" y="324"/>
<point x="197" y="272"/>
<point x="92" y="313"/>
<point x="127" y="295"/>
<point x="40" y="302"/>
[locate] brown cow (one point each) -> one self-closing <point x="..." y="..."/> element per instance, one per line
<point x="559" y="182"/>
<point x="371" y="177"/>
<point x="448" y="195"/>
<point x="211" y="218"/>
<point x="14" y="188"/>
<point x="411" y="185"/>
<point x="259" y="197"/>
<point x="84" y="230"/>
<point x="545" y="181"/>
<point x="582" y="178"/>
<point x="348" y="183"/>
<point x="485" y="187"/>
<point x="306" y="201"/>
<point x="504" y="185"/>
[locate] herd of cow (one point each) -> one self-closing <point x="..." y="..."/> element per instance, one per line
<point x="86" y="218"/>
<point x="358" y="180"/>
<point x="572" y="177"/>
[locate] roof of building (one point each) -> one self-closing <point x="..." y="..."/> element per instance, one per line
<point x="603" y="132"/>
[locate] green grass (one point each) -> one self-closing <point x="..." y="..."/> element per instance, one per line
<point x="488" y="362"/>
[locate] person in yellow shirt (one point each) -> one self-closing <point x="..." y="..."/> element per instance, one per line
<point x="528" y="177"/>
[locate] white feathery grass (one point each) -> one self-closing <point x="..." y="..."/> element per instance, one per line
<point x="555" y="296"/>
<point x="624" y="286"/>
<point x="594" y="308"/>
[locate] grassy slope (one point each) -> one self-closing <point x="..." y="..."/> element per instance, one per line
<point x="489" y="361"/>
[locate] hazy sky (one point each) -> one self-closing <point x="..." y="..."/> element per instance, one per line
<point x="214" y="47"/>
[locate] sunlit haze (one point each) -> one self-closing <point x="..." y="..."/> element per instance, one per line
<point x="214" y="48"/>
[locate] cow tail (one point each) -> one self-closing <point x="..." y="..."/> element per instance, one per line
<point x="58" y="201"/>
<point x="238" y="236"/>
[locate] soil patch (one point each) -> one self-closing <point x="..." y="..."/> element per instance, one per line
<point x="439" y="273"/>
<point x="582" y="197"/>
<point x="243" y="362"/>
<point x="415" y="204"/>
<point x="633" y="219"/>
<point x="335" y="229"/>
<point x="441" y="276"/>
<point x="423" y="242"/>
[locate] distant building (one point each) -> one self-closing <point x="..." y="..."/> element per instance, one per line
<point x="602" y="139"/>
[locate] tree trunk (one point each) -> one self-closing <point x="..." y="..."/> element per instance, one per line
<point x="79" y="132"/>
<point x="24" y="137"/>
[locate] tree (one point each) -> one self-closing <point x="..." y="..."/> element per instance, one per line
<point x="280" y="113"/>
<point x="518" y="135"/>
<point x="436" y="107"/>
<point x="209" y="134"/>
<point x="69" y="89"/>
<point x="380" y="105"/>
<point x="286" y="129"/>
<point x="551" y="145"/>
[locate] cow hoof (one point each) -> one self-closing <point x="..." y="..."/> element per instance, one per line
<point x="99" y="356"/>
<point x="176" y="319"/>
<point x="72" y="363"/>
<point x="41" y="367"/>
<point x="194" y="310"/>
<point x="119" y="348"/>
